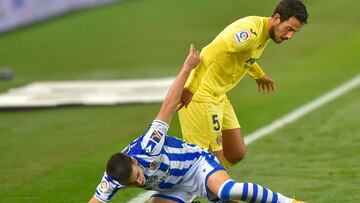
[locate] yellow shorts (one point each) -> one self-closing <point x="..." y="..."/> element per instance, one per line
<point x="202" y="123"/>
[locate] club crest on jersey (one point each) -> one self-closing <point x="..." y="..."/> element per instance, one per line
<point x="219" y="139"/>
<point x="155" y="136"/>
<point x="242" y="36"/>
<point x="104" y="185"/>
<point x="153" y="165"/>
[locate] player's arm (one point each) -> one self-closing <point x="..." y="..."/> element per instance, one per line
<point x="94" y="200"/>
<point x="153" y="140"/>
<point x="192" y="85"/>
<point x="172" y="98"/>
<point x="255" y="71"/>
<point x="105" y="190"/>
<point x="246" y="37"/>
<point x="194" y="80"/>
<point x="264" y="82"/>
<point x="241" y="42"/>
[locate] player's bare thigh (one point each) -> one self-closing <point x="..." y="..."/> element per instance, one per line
<point x="233" y="146"/>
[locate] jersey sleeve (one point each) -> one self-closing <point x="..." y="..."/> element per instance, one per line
<point x="154" y="138"/>
<point x="242" y="37"/>
<point x="107" y="188"/>
<point x="255" y="71"/>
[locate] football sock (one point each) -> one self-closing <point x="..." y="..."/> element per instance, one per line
<point x="250" y="192"/>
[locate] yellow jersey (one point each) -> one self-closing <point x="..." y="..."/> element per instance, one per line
<point x="228" y="58"/>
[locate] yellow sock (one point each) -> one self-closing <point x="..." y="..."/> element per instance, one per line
<point x="227" y="164"/>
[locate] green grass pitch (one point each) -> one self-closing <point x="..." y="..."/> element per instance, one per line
<point x="58" y="155"/>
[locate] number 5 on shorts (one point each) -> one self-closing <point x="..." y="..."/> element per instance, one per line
<point x="216" y="122"/>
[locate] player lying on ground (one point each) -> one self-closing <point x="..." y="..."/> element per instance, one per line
<point x="175" y="169"/>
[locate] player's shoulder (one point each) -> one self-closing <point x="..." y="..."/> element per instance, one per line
<point x="255" y="23"/>
<point x="254" y="19"/>
<point x="248" y="28"/>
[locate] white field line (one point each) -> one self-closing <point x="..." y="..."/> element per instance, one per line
<point x="303" y="110"/>
<point x="283" y="121"/>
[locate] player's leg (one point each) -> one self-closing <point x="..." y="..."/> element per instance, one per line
<point x="201" y="124"/>
<point x="233" y="145"/>
<point x="225" y="188"/>
<point x="232" y="140"/>
<point x="215" y="183"/>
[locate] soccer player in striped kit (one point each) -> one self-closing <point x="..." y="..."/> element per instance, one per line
<point x="178" y="171"/>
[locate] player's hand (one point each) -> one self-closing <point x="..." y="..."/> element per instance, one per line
<point x="192" y="59"/>
<point x="185" y="99"/>
<point x="265" y="85"/>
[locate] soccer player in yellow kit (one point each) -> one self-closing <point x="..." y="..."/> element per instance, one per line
<point x="209" y="119"/>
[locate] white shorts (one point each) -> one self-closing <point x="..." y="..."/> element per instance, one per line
<point x="194" y="182"/>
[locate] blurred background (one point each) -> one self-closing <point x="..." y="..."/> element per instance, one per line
<point x="59" y="154"/>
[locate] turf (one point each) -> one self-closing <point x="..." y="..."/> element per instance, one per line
<point x="58" y="155"/>
<point x="314" y="158"/>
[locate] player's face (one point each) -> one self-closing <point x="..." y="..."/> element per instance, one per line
<point x="284" y="30"/>
<point x="137" y="177"/>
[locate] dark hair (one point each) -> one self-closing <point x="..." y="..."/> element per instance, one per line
<point x="119" y="167"/>
<point x="289" y="8"/>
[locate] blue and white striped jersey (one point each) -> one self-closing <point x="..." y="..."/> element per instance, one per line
<point x="164" y="159"/>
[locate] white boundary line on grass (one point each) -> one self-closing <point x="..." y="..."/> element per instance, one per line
<point x="303" y="110"/>
<point x="283" y="121"/>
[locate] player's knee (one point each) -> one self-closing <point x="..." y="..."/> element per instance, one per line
<point x="241" y="155"/>
<point x="237" y="156"/>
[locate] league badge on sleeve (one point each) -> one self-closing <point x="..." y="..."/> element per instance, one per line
<point x="242" y="36"/>
<point x="104" y="185"/>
